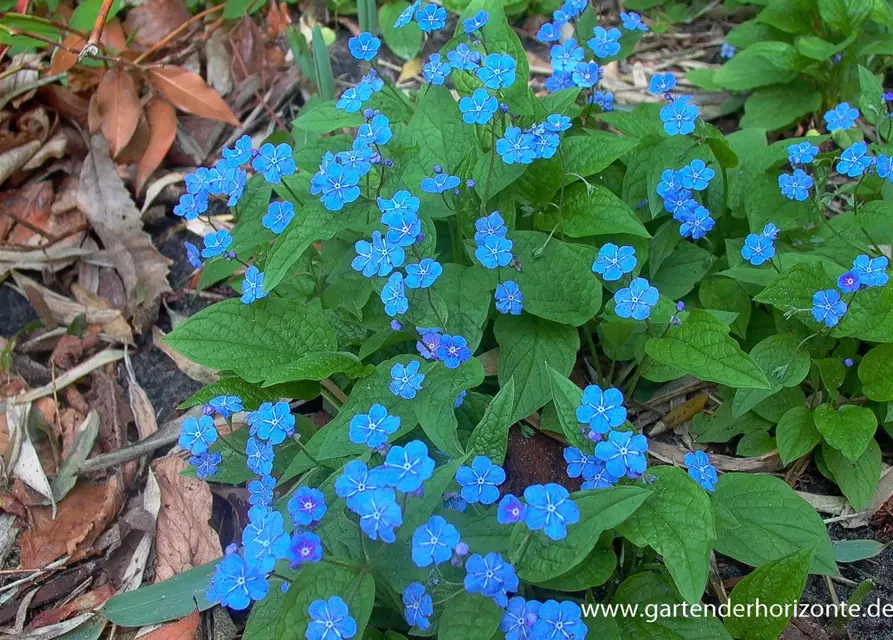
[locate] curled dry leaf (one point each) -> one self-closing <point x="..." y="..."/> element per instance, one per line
<point x="140" y="407"/>
<point x="55" y="147"/>
<point x="184" y="537"/>
<point x="162" y="120"/>
<point x="118" y="106"/>
<point x="187" y="91"/>
<point x="87" y="602"/>
<point x="16" y="158"/>
<point x="64" y="60"/>
<point x="24" y="460"/>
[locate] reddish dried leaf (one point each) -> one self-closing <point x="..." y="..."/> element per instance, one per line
<point x="247" y="42"/>
<point x="180" y="630"/>
<point x="113" y="35"/>
<point x="153" y="20"/>
<point x="65" y="60"/>
<point x="187" y="91"/>
<point x="65" y="102"/>
<point x="118" y="106"/>
<point x="162" y="119"/>
<point x="87" y="602"/>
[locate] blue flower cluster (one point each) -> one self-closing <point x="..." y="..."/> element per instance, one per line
<point x="523" y="146"/>
<point x="828" y="307"/>
<point x="760" y="247"/>
<point x="677" y="190"/>
<point x="679" y="115"/>
<point x="700" y="470"/>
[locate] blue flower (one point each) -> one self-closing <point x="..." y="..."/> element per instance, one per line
<point x="601" y="410"/>
<point x="479" y="107"/>
<point x="364" y="46"/>
<point x="402" y="203"/>
<point x="199" y="181"/>
<point x="278" y="215"/>
<point x="240" y="153"/>
<point x="237" y="582"/>
<point x="679" y="203"/>
<point x="871" y="271"/>
<point x="198" y="435"/>
<point x="491" y="576"/>
<point x="375" y="131"/>
<point x="670" y="182"/>
<point x="479" y="482"/>
<point x="475" y="22"/>
<point x="601" y="479"/>
<point x="623" y="452"/>
<point x="307" y="506"/>
<point x="510" y="510"/>
<point x="407" y="467"/>
<point x="545" y="143"/>
<point x="548" y="33"/>
<point x="494" y="252"/>
<point x="848" y="282"/>
<point x="440" y="183"/>
<point x="431" y="18"/>
<point x="854" y="160"/>
<point x="418" y="604"/>
<point x="226" y="405"/>
<point x="636" y="300"/>
<point x="436" y="70"/>
<point x="275" y="422"/>
<point x="338" y="186"/>
<point x="757" y="249"/>
<point x="550" y="508"/>
<point x="603" y="99"/>
<point x="491" y="225"/>
<point x="357" y="479"/>
<point x="679" y="116"/>
<point x="559" y="80"/>
<point x="453" y="351"/>
<point x="802" y="153"/>
<point x="433" y="542"/>
<point x="373" y="428"/>
<point x="519" y="618"/>
<point x="359" y="160"/>
<point x="460" y="399"/>
<point x="697" y="224"/>
<point x="580" y="464"/>
<point x="841" y="117"/>
<point x="770" y="230"/>
<point x="261" y="491"/>
<point x="259" y="457"/>
<point x="586" y="75"/>
<point x="205" y="464"/>
<point x="632" y="21"/>
<point x="403" y="228"/>
<point x="464" y="58"/>
<point x="253" y="417"/>
<point x="377" y="258"/>
<point x="509" y="298"/>
<point x="305" y="546"/>
<point x="795" y="186"/>
<point x="264" y="538"/>
<point x="393" y="295"/>
<point x="429" y="343"/>
<point x="727" y="51"/>
<point x="556" y="123"/>
<point x="193" y="255"/>
<point x="661" y="83"/>
<point x="406" y="380"/>
<point x="567" y="55"/>
<point x="274" y="161"/>
<point x="253" y="285"/>
<point x="352" y="99"/>
<point x="515" y="146"/>
<point x="191" y="206"/>
<point x="696" y="175"/>
<point x="379" y="514"/>
<point x="700" y="470"/>
<point x="885" y="167"/>
<point x="559" y="621"/>
<point x="407" y="14"/>
<point x="606" y="43"/>
<point x="497" y="71"/>
<point x="216" y="243"/>
<point x="574" y="8"/>
<point x="613" y="261"/>
<point x="330" y="619"/>
<point x="423" y="274"/>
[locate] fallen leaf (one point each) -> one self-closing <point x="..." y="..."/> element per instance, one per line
<point x="64" y="60"/>
<point x="119" y="108"/>
<point x="197" y="372"/>
<point x="685" y="411"/>
<point x="219" y="77"/>
<point x="140" y="407"/>
<point x="106" y="397"/>
<point x="81" y="518"/>
<point x="410" y="69"/>
<point x="114" y="217"/>
<point x="86" y="602"/>
<point x="24" y="460"/>
<point x="152" y="20"/>
<point x="22" y="82"/>
<point x="154" y="189"/>
<point x="247" y="42"/>
<point x="187" y="91"/>
<point x="57" y="630"/>
<point x="180" y="630"/>
<point x="162" y="120"/>
<point x="132" y="576"/>
<point x="184" y="536"/>
<point x="14" y="159"/>
<point x="55" y="148"/>
<point x="67" y="103"/>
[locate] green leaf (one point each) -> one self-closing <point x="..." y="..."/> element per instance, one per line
<point x="724" y="294"/>
<point x="722" y="426"/>
<point x="759" y="65"/>
<point x="778" y="583"/>
<point x="261" y="624"/>
<point x="466" y="291"/>
<point x="848" y="429"/>
<point x="760" y="519"/>
<point x="169" y="599"/>
<point x="844" y="16"/>
<point x="252" y="339"/>
<point x="318" y="116"/>
<point x="600" y="510"/>
<point x="764" y="202"/>
<point x="876" y="373"/>
<point x="701" y="347"/>
<point x="528" y="347"/>
<point x="682" y="270"/>
<point x="794" y="287"/>
<point x="785" y="364"/>
<point x="434" y="404"/>
<point x="871" y="103"/>
<point x="405" y="42"/>
<point x="438" y="130"/>
<point x="592" y="212"/>
<point x="857" y="479"/>
<point x="833" y="374"/>
<point x="249" y="232"/>
<point x="677" y="522"/>
<point x="778" y="107"/>
<point x="252" y="395"/>
<point x="856" y="550"/>
<point x="594" y="570"/>
<point x="490" y="437"/>
<point x="796" y="434"/>
<point x="588" y="154"/>
<point x="490" y="181"/>
<point x="566" y="397"/>
<point x="870" y="316"/>
<point x="317" y="366"/>
<point x="321" y="581"/>
<point x="790" y="16"/>
<point x="469" y="616"/>
<point x="580" y="295"/>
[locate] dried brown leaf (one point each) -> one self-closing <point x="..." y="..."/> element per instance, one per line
<point x="180" y="630"/>
<point x="54" y="148"/>
<point x="162" y="120"/>
<point x="140" y="407"/>
<point x="184" y="538"/>
<point x="150" y="21"/>
<point x="187" y="91"/>
<point x="14" y="159"/>
<point x="65" y="60"/>
<point x="86" y="602"/>
<point x="119" y="108"/>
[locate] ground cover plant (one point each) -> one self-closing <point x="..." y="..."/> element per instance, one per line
<point x="436" y="268"/>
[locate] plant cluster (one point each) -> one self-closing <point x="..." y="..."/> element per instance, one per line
<point x="432" y="275"/>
